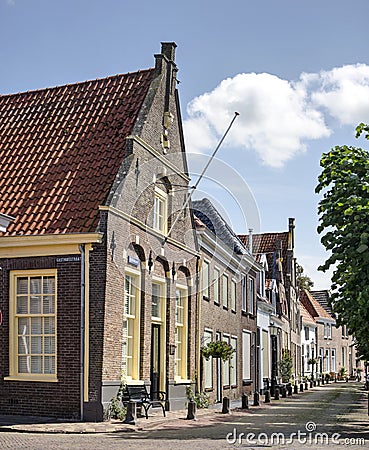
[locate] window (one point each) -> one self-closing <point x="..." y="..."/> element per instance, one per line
<point x="33" y="325"/>
<point x="160" y="211"/>
<point x="233" y="367"/>
<point x="216" y="285"/>
<point x="156" y="301"/>
<point x="205" y="280"/>
<point x="233" y="295"/>
<point x="131" y="344"/>
<point x="181" y="334"/>
<point x="327" y="359"/>
<point x="252" y="295"/>
<point x="246" y="355"/>
<point x="226" y="365"/>
<point x="244" y="292"/>
<point x="225" y="290"/>
<point x="344" y="357"/>
<point x="328" y="331"/>
<point x="306" y="329"/>
<point x="208" y="365"/>
<point x="333" y="355"/>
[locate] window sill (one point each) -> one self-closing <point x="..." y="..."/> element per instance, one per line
<point x="182" y="381"/>
<point x="225" y="308"/>
<point x="135" y="382"/>
<point x="246" y="382"/>
<point x="208" y="389"/>
<point x="226" y="386"/>
<point x="31" y="379"/>
<point x="204" y="297"/>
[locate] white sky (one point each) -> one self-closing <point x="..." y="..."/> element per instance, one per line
<point x="296" y="71"/>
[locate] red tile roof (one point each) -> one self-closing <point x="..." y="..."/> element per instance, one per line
<point x="267" y="243"/>
<point x="61" y="148"/>
<point x="306" y="316"/>
<point x="313" y="306"/>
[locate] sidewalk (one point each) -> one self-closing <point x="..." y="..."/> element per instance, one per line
<point x="32" y="424"/>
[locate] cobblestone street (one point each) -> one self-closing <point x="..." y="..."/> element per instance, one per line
<point x="337" y="412"/>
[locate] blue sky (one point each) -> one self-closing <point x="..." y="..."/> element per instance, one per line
<point x="296" y="70"/>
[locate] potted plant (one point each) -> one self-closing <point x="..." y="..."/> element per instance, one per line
<point x="285" y="366"/>
<point x="217" y="349"/>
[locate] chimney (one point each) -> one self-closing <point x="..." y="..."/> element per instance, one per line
<point x="168" y="50"/>
<point x="250" y="239"/>
<point x="291" y="233"/>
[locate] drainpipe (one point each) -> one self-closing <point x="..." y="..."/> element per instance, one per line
<point x="198" y="325"/>
<point x="83" y="306"/>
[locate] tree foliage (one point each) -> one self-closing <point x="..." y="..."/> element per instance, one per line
<point x="304" y="282"/>
<point x="344" y="220"/>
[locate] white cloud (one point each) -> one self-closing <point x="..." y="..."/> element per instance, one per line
<point x="10" y="2"/>
<point x="277" y="117"/>
<point x="344" y="92"/>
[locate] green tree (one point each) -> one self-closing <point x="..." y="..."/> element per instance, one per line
<point x="303" y="280"/>
<point x="344" y="218"/>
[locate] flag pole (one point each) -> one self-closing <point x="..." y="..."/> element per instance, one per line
<point x="185" y="204"/>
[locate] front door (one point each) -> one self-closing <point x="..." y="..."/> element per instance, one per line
<point x="155" y="358"/>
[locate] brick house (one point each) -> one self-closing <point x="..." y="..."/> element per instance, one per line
<point x="281" y="290"/>
<point x="98" y="267"/>
<point x="335" y="347"/>
<point x="228" y="291"/>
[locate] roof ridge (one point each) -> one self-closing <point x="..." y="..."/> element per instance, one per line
<point x="77" y="83"/>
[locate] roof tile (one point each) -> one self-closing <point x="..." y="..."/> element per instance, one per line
<point x="60" y="149"/>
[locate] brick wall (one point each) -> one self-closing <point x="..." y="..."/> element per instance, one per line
<point x="62" y="398"/>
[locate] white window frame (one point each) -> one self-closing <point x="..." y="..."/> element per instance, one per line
<point x="244" y="292"/>
<point x="15" y="317"/>
<point x="216" y="285"/>
<point x="251" y="296"/>
<point x="131" y="327"/>
<point x="225" y="294"/>
<point x="160" y="218"/>
<point x="181" y="333"/>
<point x="205" y="277"/>
<point x="233" y="294"/>
<point x="246" y="355"/>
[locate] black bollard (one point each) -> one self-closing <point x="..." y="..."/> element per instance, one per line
<point x="276" y="393"/>
<point x="131" y="414"/>
<point x="311" y="384"/>
<point x="191" y="410"/>
<point x="314" y="383"/>
<point x="306" y="385"/>
<point x="295" y="389"/>
<point x="256" y="399"/>
<point x="284" y="392"/>
<point x="346" y="379"/>
<point x="225" y="409"/>
<point x="322" y="381"/>
<point x="289" y="390"/>
<point x="245" y="401"/>
<point x="335" y="379"/>
<point x="301" y="387"/>
<point x="267" y="396"/>
<point x="318" y="381"/>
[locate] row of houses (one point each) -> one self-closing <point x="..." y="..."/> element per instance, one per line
<point x="110" y="274"/>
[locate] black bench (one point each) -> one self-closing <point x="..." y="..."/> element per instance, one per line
<point x="141" y="396"/>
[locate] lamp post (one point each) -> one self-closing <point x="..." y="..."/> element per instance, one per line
<point x="273" y="335"/>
